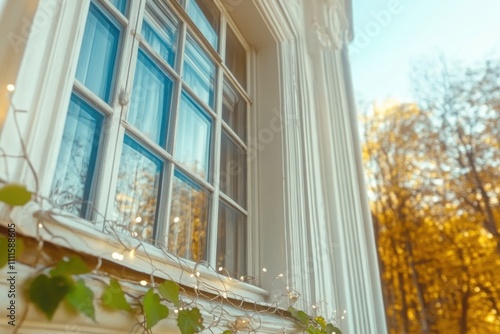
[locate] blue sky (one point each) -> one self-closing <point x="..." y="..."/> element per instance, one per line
<point x="391" y="35"/>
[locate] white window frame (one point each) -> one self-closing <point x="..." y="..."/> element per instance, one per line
<point x="64" y="36"/>
<point x="117" y="124"/>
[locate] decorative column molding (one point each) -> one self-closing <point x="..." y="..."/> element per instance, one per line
<point x="354" y="256"/>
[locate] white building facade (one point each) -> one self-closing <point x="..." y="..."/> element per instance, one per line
<point x="212" y="137"/>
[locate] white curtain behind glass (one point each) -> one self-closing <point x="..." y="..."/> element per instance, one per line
<point x="192" y="145"/>
<point x="150" y="99"/>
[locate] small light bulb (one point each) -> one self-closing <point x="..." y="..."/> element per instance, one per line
<point x="138" y="219"/>
<point x="197" y="274"/>
<point x="224" y="295"/>
<point x="176" y="219"/>
<point x="280" y="275"/>
<point x="11" y="87"/>
<point x="117" y="256"/>
<point x="143" y="283"/>
<point x="242" y="278"/>
<point x="40" y="225"/>
<point x="221" y="269"/>
<point x="176" y="311"/>
<point x="192" y="275"/>
<point x="264" y="270"/>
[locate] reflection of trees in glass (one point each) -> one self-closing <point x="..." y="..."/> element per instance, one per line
<point x="433" y="174"/>
<point x="187" y="235"/>
<point x="71" y="187"/>
<point x="137" y="191"/>
<point x="231" y="242"/>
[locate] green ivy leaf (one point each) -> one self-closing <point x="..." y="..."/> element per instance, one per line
<point x="330" y="328"/>
<point x="227" y="332"/>
<point x="70" y="266"/>
<point x="320" y="321"/>
<point x="14" y="194"/>
<point x="47" y="292"/>
<point x="303" y="317"/>
<point x="313" y="330"/>
<point x="81" y="298"/>
<point x="153" y="309"/>
<point x="114" y="298"/>
<point x="190" y="321"/>
<point x="170" y="291"/>
<point x="4" y="249"/>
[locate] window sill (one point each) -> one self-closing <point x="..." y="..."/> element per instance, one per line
<point x="81" y="236"/>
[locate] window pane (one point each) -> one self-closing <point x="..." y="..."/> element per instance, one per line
<point x="77" y="158"/>
<point x="120" y="4"/>
<point x="187" y="235"/>
<point x="231" y="242"/>
<point x="206" y="17"/>
<point x="234" y="111"/>
<point x="233" y="170"/>
<point x="160" y="33"/>
<point x="236" y="59"/>
<point x="137" y="189"/>
<point x="151" y="97"/>
<point x="96" y="64"/>
<point x="199" y="72"/>
<point x="192" y="143"/>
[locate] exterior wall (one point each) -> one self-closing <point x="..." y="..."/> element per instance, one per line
<point x="309" y="215"/>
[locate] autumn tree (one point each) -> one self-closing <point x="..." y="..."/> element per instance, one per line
<point x="432" y="169"/>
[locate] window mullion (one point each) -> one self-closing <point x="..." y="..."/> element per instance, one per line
<point x="116" y="132"/>
<point x="253" y="228"/>
<point x="170" y="168"/>
<point x="214" y="216"/>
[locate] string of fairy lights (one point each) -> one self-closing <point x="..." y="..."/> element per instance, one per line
<point x="211" y="290"/>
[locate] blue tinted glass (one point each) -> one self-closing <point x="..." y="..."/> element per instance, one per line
<point x="72" y="184"/>
<point x="96" y="64"/>
<point x="199" y="72"/>
<point x="164" y="44"/>
<point x="192" y="142"/>
<point x="151" y="97"/>
<point x="139" y="178"/>
<point x="120" y="4"/>
<point x="206" y="18"/>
